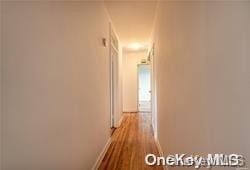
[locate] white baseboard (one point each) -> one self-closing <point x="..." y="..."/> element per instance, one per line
<point x="160" y="151"/>
<point x="130" y="111"/>
<point x="101" y="156"/>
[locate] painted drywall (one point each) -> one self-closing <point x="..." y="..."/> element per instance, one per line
<point x="135" y="25"/>
<point x="55" y="84"/>
<point x="130" y="94"/>
<point x="202" y="58"/>
<point x="1" y="86"/>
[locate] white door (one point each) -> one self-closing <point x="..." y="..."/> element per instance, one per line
<point x="144" y="88"/>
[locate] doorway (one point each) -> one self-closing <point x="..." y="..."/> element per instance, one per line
<point x="144" y="88"/>
<point x="114" y="77"/>
<point x="114" y="84"/>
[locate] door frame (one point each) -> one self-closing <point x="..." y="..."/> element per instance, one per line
<point x="113" y="47"/>
<point x="151" y="55"/>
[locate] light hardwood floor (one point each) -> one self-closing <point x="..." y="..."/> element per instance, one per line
<point x="131" y="142"/>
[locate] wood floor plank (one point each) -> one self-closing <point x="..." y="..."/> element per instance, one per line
<point x="131" y="142"/>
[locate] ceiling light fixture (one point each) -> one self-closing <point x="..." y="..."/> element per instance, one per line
<point x="135" y="46"/>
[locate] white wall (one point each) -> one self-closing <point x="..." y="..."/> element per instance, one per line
<point x="1" y="86"/>
<point x="130" y="94"/>
<point x="203" y="77"/>
<point x="55" y="85"/>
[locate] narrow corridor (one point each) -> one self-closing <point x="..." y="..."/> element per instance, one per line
<point x="131" y="142"/>
<point x="165" y="77"/>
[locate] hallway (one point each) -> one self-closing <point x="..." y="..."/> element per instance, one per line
<point x="172" y="77"/>
<point x="131" y="142"/>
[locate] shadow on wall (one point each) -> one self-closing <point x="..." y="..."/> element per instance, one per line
<point x="202" y="59"/>
<point x="50" y="88"/>
<point x="130" y="79"/>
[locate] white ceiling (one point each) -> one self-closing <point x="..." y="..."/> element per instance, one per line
<point x="133" y="20"/>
